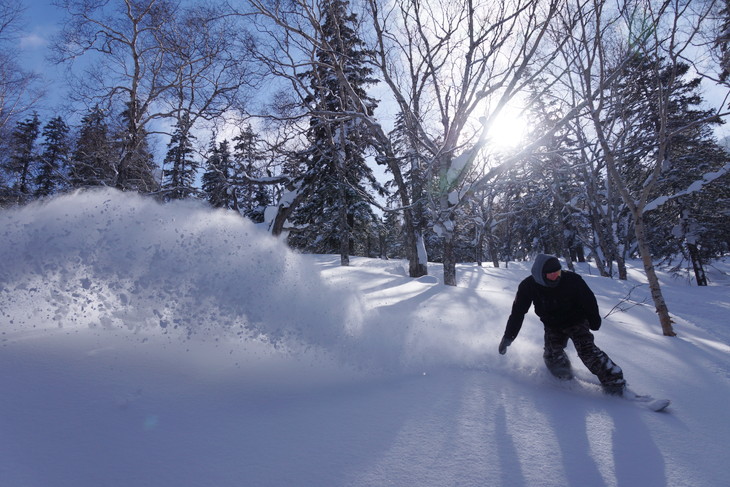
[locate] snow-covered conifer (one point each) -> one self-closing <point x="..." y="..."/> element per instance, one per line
<point x="180" y="166"/>
<point x="93" y="159"/>
<point x="337" y="209"/>
<point x="54" y="160"/>
<point x="22" y="164"/>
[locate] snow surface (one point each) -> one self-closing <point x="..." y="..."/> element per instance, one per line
<point x="151" y="345"/>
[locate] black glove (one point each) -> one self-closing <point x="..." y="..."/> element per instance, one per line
<point x="506" y="342"/>
<point x="594" y="325"/>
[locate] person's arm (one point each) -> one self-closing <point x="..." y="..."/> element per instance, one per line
<point x="520" y="307"/>
<point x="590" y="306"/>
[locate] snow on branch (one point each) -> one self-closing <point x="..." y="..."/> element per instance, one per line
<point x="694" y="187"/>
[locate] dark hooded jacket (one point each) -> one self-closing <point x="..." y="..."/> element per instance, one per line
<point x="569" y="303"/>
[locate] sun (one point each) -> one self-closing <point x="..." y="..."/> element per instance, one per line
<point x="508" y="131"/>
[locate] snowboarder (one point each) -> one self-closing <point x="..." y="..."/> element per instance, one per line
<point x="568" y="309"/>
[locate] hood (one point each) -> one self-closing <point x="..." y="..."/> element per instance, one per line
<point x="538" y="268"/>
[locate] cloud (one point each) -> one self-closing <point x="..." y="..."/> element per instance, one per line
<point x="33" y="41"/>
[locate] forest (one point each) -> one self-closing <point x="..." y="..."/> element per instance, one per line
<point x="380" y="128"/>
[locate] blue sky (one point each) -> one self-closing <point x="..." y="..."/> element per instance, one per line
<point x="41" y="22"/>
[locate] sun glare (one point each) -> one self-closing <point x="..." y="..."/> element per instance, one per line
<point x="508" y="130"/>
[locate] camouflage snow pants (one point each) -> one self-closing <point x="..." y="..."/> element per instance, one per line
<point x="610" y="374"/>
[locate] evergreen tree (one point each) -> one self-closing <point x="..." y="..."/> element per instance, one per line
<point x="179" y="179"/>
<point x="689" y="154"/>
<point x="556" y="181"/>
<point x="722" y="41"/>
<point x="54" y="161"/>
<point x="216" y="180"/>
<point x="136" y="167"/>
<point x="93" y="160"/>
<point x="252" y="198"/>
<point x="392" y="240"/>
<point x="413" y="166"/>
<point x="5" y="193"/>
<point x="693" y="224"/>
<point x="336" y="209"/>
<point x="22" y="164"/>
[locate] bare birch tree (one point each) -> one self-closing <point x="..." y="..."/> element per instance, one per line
<point x="144" y="56"/>
<point x="448" y="65"/>
<point x="18" y="91"/>
<point x="207" y="73"/>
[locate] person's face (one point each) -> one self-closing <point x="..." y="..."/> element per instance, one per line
<point x="553" y="276"/>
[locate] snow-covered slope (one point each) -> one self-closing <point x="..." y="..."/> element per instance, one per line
<point x="150" y="345"/>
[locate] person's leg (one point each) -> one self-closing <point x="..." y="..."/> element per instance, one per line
<point x="597" y="361"/>
<point x="554" y="355"/>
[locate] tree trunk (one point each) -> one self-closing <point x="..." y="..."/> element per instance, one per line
<point x="416" y="268"/>
<point x="287" y="205"/>
<point x="417" y="263"/>
<point x="600" y="264"/>
<point x="344" y="226"/>
<point x="622" y="272"/>
<point x="449" y="260"/>
<point x="479" y="245"/>
<point x="421" y="255"/>
<point x="383" y="245"/>
<point x="699" y="269"/>
<point x="656" y="291"/>
<point x="568" y="259"/>
<point x="493" y="254"/>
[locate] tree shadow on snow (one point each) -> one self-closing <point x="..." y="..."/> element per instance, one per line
<point x="603" y="444"/>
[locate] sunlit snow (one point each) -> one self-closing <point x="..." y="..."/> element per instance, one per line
<point x="173" y="345"/>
